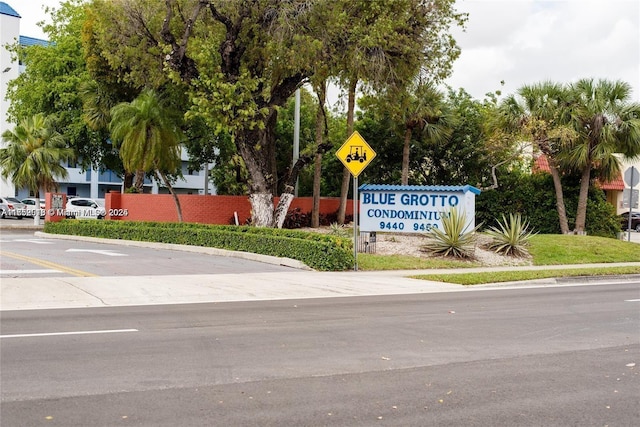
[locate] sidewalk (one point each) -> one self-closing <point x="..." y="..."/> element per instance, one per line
<point x="71" y="292"/>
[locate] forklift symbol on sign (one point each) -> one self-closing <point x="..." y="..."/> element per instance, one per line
<point x="354" y="154"/>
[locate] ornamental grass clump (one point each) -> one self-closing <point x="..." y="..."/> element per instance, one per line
<point x="511" y="237"/>
<point x="454" y="239"/>
<point x="338" y="230"/>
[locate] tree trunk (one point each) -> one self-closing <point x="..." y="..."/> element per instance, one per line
<point x="36" y="208"/>
<point x="544" y="146"/>
<point x="138" y="181"/>
<point x="317" y="177"/>
<point x="344" y="194"/>
<point x="317" y="166"/>
<point x="251" y="145"/>
<point x="405" y="156"/>
<point x="283" y="206"/>
<point x="562" y="211"/>
<point x="261" y="209"/>
<point x="128" y="180"/>
<point x="346" y="175"/>
<point x="581" y="214"/>
<point x="255" y="146"/>
<point x="167" y="184"/>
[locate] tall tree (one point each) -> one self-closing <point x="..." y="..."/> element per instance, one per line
<point x="49" y="85"/>
<point x="469" y="150"/>
<point x="322" y="133"/>
<point x="420" y="112"/>
<point x="539" y="114"/>
<point x="242" y="60"/>
<point x="388" y="44"/>
<point x="34" y="154"/>
<point x="453" y="142"/>
<point x="149" y="138"/>
<point x="97" y="102"/>
<point x="607" y="122"/>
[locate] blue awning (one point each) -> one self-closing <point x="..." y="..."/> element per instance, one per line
<point x="441" y="188"/>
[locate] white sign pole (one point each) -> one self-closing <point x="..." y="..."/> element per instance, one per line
<point x="355" y="154"/>
<point x="631" y="184"/>
<point x="355" y="223"/>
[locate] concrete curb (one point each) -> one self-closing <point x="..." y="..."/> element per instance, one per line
<point x="268" y="259"/>
<point x="23" y="226"/>
<point x="559" y="281"/>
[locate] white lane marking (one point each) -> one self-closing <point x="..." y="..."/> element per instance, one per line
<point x="632" y="300"/>
<point x="36" y="241"/>
<point x="53" y="334"/>
<point x="41" y="271"/>
<point x="107" y="252"/>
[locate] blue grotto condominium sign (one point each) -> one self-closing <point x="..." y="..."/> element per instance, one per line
<point x="413" y="209"/>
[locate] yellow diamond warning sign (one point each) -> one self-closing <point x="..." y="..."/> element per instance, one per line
<point x="355" y="154"/>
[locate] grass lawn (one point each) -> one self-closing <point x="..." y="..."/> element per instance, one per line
<point x="548" y="249"/>
<point x="555" y="249"/>
<point x="514" y="276"/>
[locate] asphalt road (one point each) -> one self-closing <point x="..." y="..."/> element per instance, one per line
<point x="518" y="357"/>
<point x="22" y="252"/>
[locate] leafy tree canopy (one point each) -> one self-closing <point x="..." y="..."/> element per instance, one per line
<point x="241" y="60"/>
<point x="50" y="81"/>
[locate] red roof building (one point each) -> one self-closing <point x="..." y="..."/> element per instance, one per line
<point x="541" y="164"/>
<point x="613" y="189"/>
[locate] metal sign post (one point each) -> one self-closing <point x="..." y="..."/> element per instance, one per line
<point x="355" y="223"/>
<point x="355" y="154"/>
<point x="631" y="177"/>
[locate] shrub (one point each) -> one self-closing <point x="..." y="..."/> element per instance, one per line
<point x="338" y="230"/>
<point x="318" y="251"/>
<point x="454" y="239"/>
<point x="295" y="218"/>
<point x="511" y="237"/>
<point x="533" y="196"/>
<point x="602" y="220"/>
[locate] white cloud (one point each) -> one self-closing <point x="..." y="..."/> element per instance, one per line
<point x="32" y="12"/>
<point x="523" y="42"/>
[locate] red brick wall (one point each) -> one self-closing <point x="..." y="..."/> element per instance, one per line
<point x="200" y="209"/>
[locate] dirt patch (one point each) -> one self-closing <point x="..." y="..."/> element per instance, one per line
<point x="412" y="245"/>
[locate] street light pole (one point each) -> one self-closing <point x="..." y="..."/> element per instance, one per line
<point x="296" y="136"/>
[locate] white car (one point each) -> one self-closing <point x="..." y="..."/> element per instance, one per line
<point x="85" y="208"/>
<point x="34" y="205"/>
<point x="10" y="206"/>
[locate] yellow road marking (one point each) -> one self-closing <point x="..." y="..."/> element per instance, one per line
<point x="48" y="264"/>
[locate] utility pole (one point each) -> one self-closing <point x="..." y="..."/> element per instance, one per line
<point x="296" y="136"/>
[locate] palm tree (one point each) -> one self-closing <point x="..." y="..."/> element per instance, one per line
<point x="149" y="138"/>
<point x="97" y="101"/>
<point x="538" y="114"/>
<point x="423" y="110"/>
<point x="34" y="154"/>
<point x="607" y="123"/>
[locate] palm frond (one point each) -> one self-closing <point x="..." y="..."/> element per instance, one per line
<point x="454" y="239"/>
<point x="511" y="237"/>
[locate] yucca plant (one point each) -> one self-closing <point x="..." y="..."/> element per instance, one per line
<point x="454" y="239"/>
<point x="338" y="230"/>
<point x="511" y="237"/>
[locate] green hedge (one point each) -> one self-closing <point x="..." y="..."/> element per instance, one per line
<point x="318" y="251"/>
<point x="533" y="196"/>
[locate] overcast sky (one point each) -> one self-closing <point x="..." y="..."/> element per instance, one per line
<point x="515" y="41"/>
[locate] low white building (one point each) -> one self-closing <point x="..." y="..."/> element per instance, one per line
<point x="86" y="183"/>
